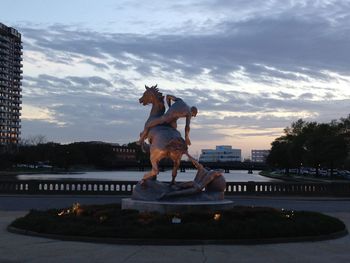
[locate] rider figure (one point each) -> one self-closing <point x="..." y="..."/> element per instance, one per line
<point x="179" y="109"/>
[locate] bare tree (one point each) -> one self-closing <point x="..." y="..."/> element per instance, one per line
<point x="33" y="140"/>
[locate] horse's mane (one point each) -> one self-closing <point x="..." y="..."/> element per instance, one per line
<point x="157" y="100"/>
<point x="155" y="91"/>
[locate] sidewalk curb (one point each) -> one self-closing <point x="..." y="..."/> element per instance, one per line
<point x="182" y="242"/>
<point x="230" y="197"/>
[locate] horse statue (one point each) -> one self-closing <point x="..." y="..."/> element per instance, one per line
<point x="165" y="141"/>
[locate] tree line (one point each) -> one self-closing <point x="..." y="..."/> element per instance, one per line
<point x="66" y="156"/>
<point x="312" y="144"/>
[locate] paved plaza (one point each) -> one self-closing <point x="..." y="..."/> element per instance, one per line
<point x="19" y="248"/>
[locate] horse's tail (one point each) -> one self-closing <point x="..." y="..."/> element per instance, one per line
<point x="177" y="144"/>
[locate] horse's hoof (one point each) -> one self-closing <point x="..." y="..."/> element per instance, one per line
<point x="143" y="183"/>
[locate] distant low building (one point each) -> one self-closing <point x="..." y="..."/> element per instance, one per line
<point x="259" y="156"/>
<point x="222" y="153"/>
<point x="124" y="153"/>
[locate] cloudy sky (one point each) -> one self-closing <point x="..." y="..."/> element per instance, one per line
<point x="251" y="67"/>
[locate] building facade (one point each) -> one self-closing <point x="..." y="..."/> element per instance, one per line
<point x="10" y="85"/>
<point x="124" y="153"/>
<point x="121" y="153"/>
<point x="222" y="153"/>
<point x="259" y="156"/>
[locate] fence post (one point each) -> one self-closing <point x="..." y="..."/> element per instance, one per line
<point x="250" y="187"/>
<point x="336" y="189"/>
<point x="32" y="187"/>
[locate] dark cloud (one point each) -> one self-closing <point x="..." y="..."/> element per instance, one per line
<point x="254" y="134"/>
<point x="285" y="95"/>
<point x="98" y="66"/>
<point x="293" y="47"/>
<point x="55" y="86"/>
<point x="306" y="96"/>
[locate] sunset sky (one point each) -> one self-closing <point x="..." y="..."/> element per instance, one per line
<point x="251" y="67"/>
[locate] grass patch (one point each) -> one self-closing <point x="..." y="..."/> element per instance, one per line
<point x="239" y="223"/>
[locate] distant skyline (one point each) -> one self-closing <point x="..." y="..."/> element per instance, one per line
<point x="251" y="67"/>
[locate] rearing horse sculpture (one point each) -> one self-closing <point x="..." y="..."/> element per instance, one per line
<point x="165" y="141"/>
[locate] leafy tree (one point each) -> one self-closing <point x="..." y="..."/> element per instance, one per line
<point x="314" y="144"/>
<point x="141" y="157"/>
<point x="280" y="154"/>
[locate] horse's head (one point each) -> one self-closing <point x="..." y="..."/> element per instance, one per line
<point x="151" y="95"/>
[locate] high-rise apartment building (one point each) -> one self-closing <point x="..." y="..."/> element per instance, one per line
<point x="10" y="85"/>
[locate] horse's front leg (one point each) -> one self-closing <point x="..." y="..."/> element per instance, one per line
<point x="147" y="176"/>
<point x="154" y="172"/>
<point x="176" y="160"/>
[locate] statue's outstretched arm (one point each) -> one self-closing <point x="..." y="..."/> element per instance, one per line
<point x="157" y="121"/>
<point x="149" y="125"/>
<point x="187" y="130"/>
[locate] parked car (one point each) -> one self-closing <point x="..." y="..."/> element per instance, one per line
<point x="305" y="171"/>
<point x="312" y="171"/>
<point x="344" y="173"/>
<point x="335" y="172"/>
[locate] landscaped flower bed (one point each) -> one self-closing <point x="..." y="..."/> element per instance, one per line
<point x="240" y="223"/>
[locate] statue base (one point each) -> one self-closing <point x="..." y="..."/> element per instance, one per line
<point x="153" y="190"/>
<point x="166" y="207"/>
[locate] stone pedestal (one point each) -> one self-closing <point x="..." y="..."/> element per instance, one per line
<point x="153" y="190"/>
<point x="165" y="207"/>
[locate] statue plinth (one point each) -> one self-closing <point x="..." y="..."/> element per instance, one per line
<point x="169" y="207"/>
<point x="154" y="190"/>
<point x="151" y="196"/>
